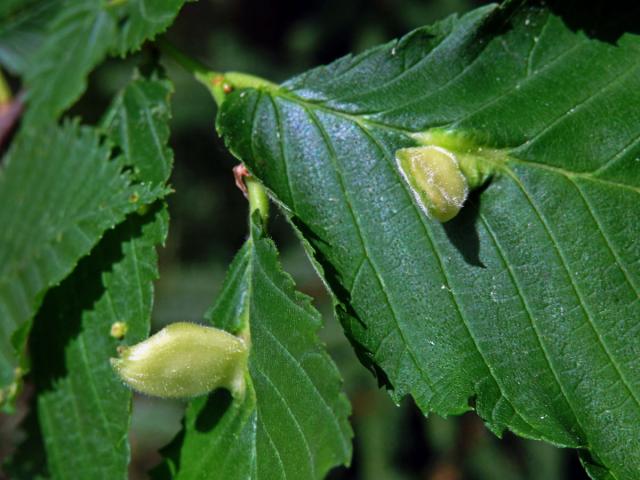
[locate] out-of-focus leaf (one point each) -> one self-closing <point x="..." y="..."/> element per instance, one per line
<point x="22" y="27"/>
<point x="78" y="38"/>
<point x="141" y="20"/>
<point x="525" y="306"/>
<point x="138" y="122"/>
<point x="292" y="421"/>
<point x="64" y="192"/>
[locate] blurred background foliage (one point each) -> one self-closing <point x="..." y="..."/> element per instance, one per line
<point x="275" y="40"/>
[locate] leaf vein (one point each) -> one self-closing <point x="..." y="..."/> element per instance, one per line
<point x="282" y="145"/>
<point x="280" y="397"/>
<point x="273" y="446"/>
<point x="576" y="107"/>
<point x="513" y="88"/>
<point x="356" y="223"/>
<point x="441" y="267"/>
<point x="530" y="316"/>
<point x="575" y="288"/>
<point x="313" y="386"/>
<point x="601" y="230"/>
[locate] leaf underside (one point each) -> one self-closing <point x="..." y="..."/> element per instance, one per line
<point x="525" y="306"/>
<point x="292" y="421"/>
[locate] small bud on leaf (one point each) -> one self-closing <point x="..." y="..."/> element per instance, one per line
<point x="118" y="330"/>
<point x="184" y="360"/>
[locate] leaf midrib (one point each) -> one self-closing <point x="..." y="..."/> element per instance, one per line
<point x="370" y="124"/>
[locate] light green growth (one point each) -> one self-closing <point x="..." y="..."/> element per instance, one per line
<point x="476" y="162"/>
<point x="5" y="91"/>
<point x="435" y="178"/>
<point x="258" y="199"/>
<point x="118" y="330"/>
<point x="184" y="360"/>
<point x="444" y="168"/>
<point x="222" y="84"/>
<point x="143" y="210"/>
<point x="11" y="391"/>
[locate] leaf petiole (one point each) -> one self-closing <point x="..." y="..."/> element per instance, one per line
<point x="219" y="84"/>
<point x="258" y="199"/>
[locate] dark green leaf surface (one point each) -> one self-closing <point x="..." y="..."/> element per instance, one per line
<point x="83" y="407"/>
<point x="138" y="122"/>
<point x="525" y="306"/>
<point x="22" y="31"/>
<point x="64" y="192"/>
<point x="79" y="38"/>
<point x="292" y="421"/>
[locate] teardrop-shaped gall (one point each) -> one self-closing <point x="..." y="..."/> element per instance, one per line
<point x="435" y="178"/>
<point x="184" y="360"/>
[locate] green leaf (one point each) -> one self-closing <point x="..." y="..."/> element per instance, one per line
<point x="22" y="31"/>
<point x="525" y="306"/>
<point x="292" y="421"/>
<point x="78" y="38"/>
<point x="144" y="19"/>
<point x="83" y="407"/>
<point x="138" y="122"/>
<point x="71" y="342"/>
<point x="64" y="192"/>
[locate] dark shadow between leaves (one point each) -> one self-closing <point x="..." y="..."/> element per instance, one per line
<point x="171" y="455"/>
<point x="605" y="20"/>
<point x="217" y="404"/>
<point x="28" y="460"/>
<point x="365" y="355"/>
<point x="462" y="230"/>
<point x="59" y="319"/>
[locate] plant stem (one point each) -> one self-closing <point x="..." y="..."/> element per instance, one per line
<point x="190" y="64"/>
<point x="219" y="84"/>
<point x="5" y="91"/>
<point x="258" y="199"/>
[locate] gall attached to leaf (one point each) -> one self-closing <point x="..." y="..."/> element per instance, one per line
<point x="184" y="360"/>
<point x="435" y="178"/>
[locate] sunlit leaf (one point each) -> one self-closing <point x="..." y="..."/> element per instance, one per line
<point x="524" y="307"/>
